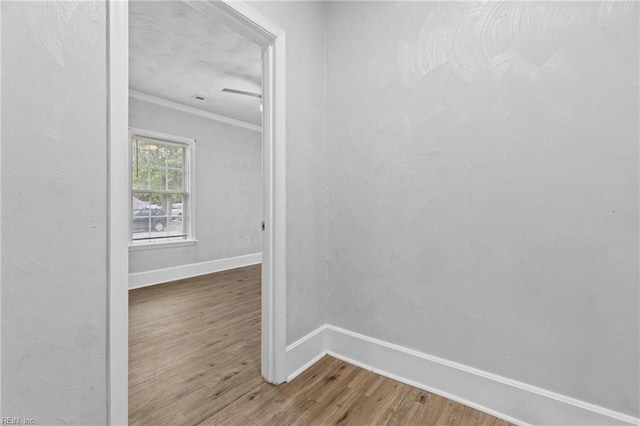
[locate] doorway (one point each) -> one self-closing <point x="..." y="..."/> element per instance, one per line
<point x="271" y="40"/>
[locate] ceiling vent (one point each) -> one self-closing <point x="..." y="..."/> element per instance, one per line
<point x="198" y="97"/>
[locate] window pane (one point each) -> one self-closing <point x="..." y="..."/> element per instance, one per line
<point x="139" y="169"/>
<point x="157" y="181"/>
<point x="140" y="215"/>
<point x="176" y="225"/>
<point x="176" y="206"/>
<point x="158" y="202"/>
<point x="140" y="178"/>
<point x="157" y="154"/>
<point x="139" y="201"/>
<point x="174" y="180"/>
<point x="175" y="157"/>
<point x="149" y="151"/>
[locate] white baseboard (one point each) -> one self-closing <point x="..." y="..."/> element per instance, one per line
<point x="305" y="352"/>
<point x="499" y="396"/>
<point x="159" y="276"/>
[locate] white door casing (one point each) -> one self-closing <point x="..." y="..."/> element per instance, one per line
<point x="271" y="38"/>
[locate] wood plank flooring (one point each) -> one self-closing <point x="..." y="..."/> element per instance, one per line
<point x="194" y="359"/>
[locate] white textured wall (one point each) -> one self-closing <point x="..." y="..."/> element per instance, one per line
<point x="483" y="186"/>
<point x="228" y="187"/>
<point x="306" y="161"/>
<point x="54" y="193"/>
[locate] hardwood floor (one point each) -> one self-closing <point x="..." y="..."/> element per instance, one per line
<point x="194" y="359"/>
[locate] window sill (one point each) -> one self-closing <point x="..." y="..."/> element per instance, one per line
<point x="161" y="244"/>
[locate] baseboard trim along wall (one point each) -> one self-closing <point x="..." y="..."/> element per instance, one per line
<point x="164" y="275"/>
<point x="508" y="399"/>
<point x="305" y="352"/>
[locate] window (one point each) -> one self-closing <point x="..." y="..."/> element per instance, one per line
<point x="160" y="187"/>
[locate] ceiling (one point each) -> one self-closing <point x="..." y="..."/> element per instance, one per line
<point x="177" y="52"/>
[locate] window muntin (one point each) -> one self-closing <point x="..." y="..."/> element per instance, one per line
<point x="160" y="188"/>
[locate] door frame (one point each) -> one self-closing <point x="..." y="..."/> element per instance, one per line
<point x="271" y="38"/>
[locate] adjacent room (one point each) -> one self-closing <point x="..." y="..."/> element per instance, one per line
<point x="196" y="209"/>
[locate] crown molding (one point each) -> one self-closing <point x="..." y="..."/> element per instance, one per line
<point x="192" y="110"/>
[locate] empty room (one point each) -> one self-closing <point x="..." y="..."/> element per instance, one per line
<point x="196" y="191"/>
<point x="320" y="212"/>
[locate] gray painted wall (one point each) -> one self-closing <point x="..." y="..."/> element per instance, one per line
<point x="303" y="23"/>
<point x="483" y="193"/>
<point x="228" y="187"/>
<point x="54" y="193"/>
<point x="54" y="218"/>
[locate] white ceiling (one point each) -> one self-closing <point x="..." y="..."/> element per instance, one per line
<point x="177" y="52"/>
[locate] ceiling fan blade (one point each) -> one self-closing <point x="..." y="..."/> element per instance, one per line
<point x="242" y="92"/>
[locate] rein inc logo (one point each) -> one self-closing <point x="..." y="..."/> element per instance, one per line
<point x="17" y="421"/>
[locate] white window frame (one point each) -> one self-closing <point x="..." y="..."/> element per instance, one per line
<point x="188" y="207"/>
